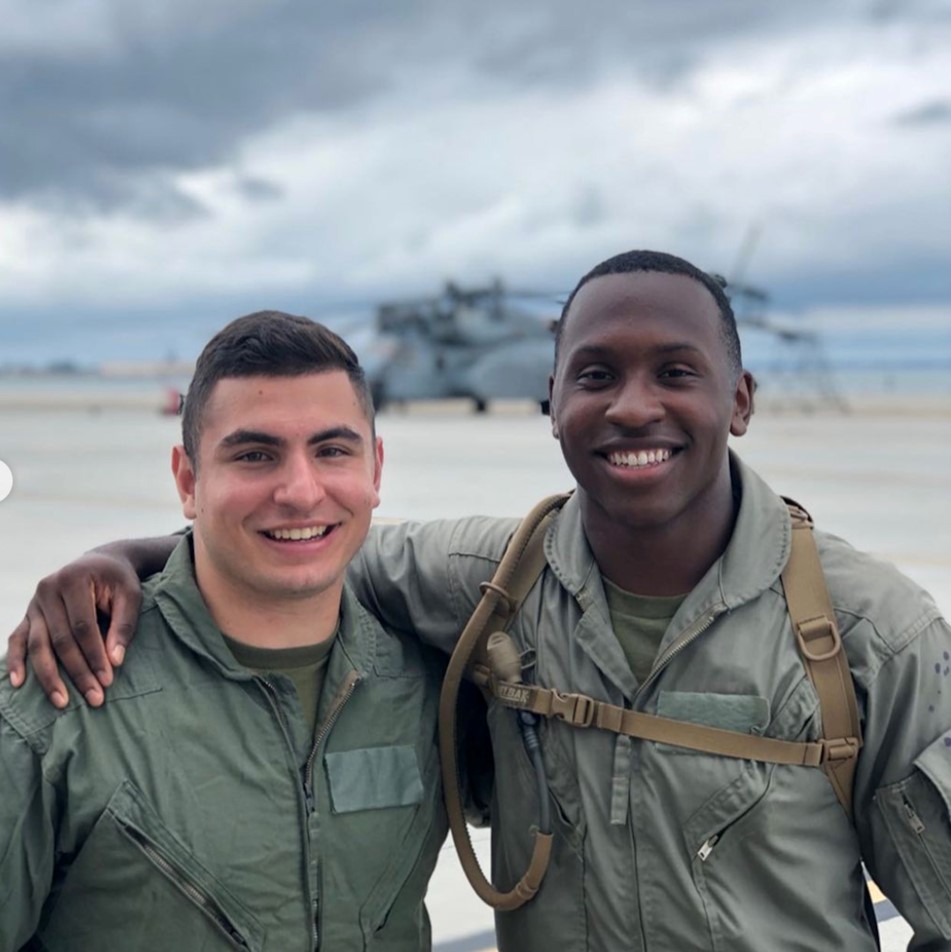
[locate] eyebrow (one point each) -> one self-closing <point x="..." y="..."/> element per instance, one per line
<point x="262" y="438"/>
<point x="597" y="350"/>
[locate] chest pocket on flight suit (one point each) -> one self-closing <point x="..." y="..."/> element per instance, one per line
<point x="134" y="880"/>
<point x="382" y="826"/>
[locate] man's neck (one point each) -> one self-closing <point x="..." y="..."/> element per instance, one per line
<point x="266" y="622"/>
<point x="660" y="560"/>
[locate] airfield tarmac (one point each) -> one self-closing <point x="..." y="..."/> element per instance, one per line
<point x="85" y="472"/>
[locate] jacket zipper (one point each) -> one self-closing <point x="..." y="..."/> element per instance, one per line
<point x="687" y="638"/>
<point x="271" y="695"/>
<point x="707" y="848"/>
<point x="918" y="827"/>
<point x="201" y="899"/>
<point x="343" y="695"/>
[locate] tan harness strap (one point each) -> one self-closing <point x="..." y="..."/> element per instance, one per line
<point x="813" y="619"/>
<point x="519" y="569"/>
<point x="579" y="710"/>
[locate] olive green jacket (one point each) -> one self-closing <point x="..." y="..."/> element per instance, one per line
<point x="192" y="812"/>
<point x="665" y="849"/>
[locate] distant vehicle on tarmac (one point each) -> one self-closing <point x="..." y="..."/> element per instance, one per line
<point x="485" y="343"/>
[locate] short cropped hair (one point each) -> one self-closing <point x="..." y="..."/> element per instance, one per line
<point x="267" y="344"/>
<point x="633" y="261"/>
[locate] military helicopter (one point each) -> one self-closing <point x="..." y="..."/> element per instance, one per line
<point x="495" y="343"/>
<point x="482" y="343"/>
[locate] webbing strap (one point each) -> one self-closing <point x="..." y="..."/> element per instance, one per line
<point x="813" y="619"/>
<point x="820" y="645"/>
<point x="519" y="569"/>
<point x="513" y="578"/>
<point x="579" y="710"/>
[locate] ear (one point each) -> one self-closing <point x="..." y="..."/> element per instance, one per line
<point x="377" y="471"/>
<point x="742" y="404"/>
<point x="185" y="481"/>
<point x="551" y="406"/>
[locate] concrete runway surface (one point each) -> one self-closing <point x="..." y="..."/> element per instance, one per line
<point x="880" y="477"/>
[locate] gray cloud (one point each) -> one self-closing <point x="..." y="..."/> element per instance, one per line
<point x="934" y="113"/>
<point x="259" y="190"/>
<point x="149" y="93"/>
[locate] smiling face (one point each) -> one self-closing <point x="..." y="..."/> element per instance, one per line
<point x="287" y="478"/>
<point x="643" y="400"/>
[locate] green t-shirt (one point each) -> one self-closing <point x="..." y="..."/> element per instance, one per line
<point x="639" y="622"/>
<point x="305" y="666"/>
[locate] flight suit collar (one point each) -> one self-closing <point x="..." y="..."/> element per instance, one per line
<point x="753" y="560"/>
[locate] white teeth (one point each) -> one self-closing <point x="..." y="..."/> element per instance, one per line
<point x="641" y="458"/>
<point x="297" y="535"/>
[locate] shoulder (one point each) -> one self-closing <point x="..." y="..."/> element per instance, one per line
<point x="28" y="711"/>
<point x="875" y="602"/>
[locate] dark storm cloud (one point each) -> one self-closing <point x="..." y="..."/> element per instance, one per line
<point x="108" y="126"/>
<point x="259" y="190"/>
<point x="77" y="125"/>
<point x="935" y="113"/>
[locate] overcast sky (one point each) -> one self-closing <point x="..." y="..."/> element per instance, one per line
<point x="167" y="166"/>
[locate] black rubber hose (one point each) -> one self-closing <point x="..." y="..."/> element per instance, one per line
<point x="527" y="722"/>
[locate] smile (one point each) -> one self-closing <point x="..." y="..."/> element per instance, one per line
<point x="640" y="458"/>
<point x="297" y="535"/>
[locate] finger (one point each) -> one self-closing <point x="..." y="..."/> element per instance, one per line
<point x="54" y="640"/>
<point x="125" y="617"/>
<point x="16" y="653"/>
<point x="80" y="608"/>
<point x="42" y="659"/>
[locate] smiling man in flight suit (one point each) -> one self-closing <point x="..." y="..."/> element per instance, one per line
<point x="242" y="788"/>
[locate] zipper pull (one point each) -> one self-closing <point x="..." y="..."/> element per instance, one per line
<point x="913" y="819"/>
<point x="309" y="798"/>
<point x="707" y="847"/>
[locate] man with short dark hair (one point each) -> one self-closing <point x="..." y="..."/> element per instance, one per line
<point x="661" y="595"/>
<point x="240" y="789"/>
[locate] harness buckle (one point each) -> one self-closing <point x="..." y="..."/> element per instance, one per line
<point x="575" y="709"/>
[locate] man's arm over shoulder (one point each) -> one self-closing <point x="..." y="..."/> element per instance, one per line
<point x="61" y="621"/>
<point x="899" y="649"/>
<point x="424" y="577"/>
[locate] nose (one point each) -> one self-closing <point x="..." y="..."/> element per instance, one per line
<point x="299" y="486"/>
<point x="636" y="403"/>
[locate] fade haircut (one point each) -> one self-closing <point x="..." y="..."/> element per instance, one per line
<point x="631" y="262"/>
<point x="267" y="344"/>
